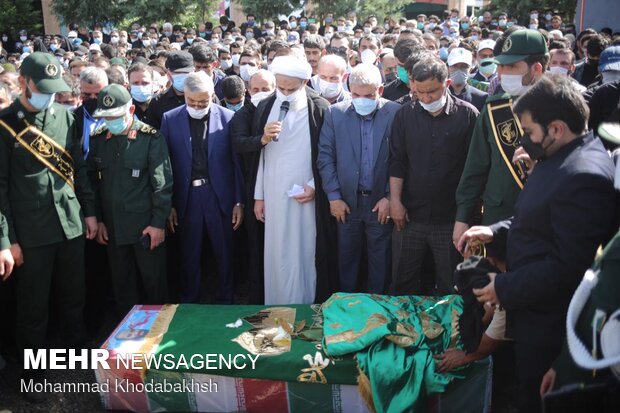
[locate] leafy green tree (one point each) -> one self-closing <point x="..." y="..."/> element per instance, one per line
<point x="381" y="8"/>
<point x="20" y="14"/>
<point x="88" y="12"/>
<point x="269" y="9"/>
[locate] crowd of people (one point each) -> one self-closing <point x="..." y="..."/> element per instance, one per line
<point x="339" y="155"/>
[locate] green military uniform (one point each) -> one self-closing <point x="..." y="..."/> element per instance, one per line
<point x="44" y="195"/>
<point x="489" y="173"/>
<point x="5" y="244"/>
<point x="134" y="190"/>
<point x="486" y="174"/>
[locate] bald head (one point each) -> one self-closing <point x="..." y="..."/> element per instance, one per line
<point x="262" y="81"/>
<point x="332" y="68"/>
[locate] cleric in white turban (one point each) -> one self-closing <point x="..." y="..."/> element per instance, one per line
<point x="291" y="66"/>
<point x="300" y="235"/>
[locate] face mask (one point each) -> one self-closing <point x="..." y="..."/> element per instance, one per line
<point x="235" y="59"/>
<point x="190" y="40"/>
<point x="146" y="42"/>
<point x="513" y="85"/>
<point x="536" y="151"/>
<point x="5" y="39"/>
<point x="431" y="26"/>
<point x="420" y="26"/>
<point x="464" y="26"/>
<point x="249" y="35"/>
<point x="329" y="35"/>
<point x="459" y="78"/>
<point x="611" y="76"/>
<point x="436" y="105"/>
<point x="454" y="19"/>
<point x="236" y="107"/>
<point x="251" y="23"/>
<point x="293" y="97"/>
<point x="246" y="71"/>
<point x="141" y="94"/>
<point x="41" y="101"/>
<point x="386" y="26"/>
<point x="168" y="33"/>
<point x="269" y="32"/>
<point x="53" y="47"/>
<point x="548" y="16"/>
<point x="443" y="53"/>
<point x="303" y="25"/>
<point x="116" y="126"/>
<point x="328" y="20"/>
<point x="70" y="108"/>
<point x="341" y="28"/>
<point x="474" y="37"/>
<point x="178" y="81"/>
<point x="402" y="74"/>
<point x="114" y="40"/>
<point x="293" y="25"/>
<point x="558" y="70"/>
<point x="502" y="23"/>
<point x="368" y="56"/>
<point x="26" y="49"/>
<point x="329" y="90"/>
<point x="364" y="106"/>
<point x="367" y="30"/>
<point x="90" y="105"/>
<point x="226" y="64"/>
<point x="488" y="69"/>
<point x="258" y="97"/>
<point x="533" y="27"/>
<point x="198" y="113"/>
<point x="390" y="77"/>
<point x="97" y="40"/>
<point x="534" y="16"/>
<point x="23" y="38"/>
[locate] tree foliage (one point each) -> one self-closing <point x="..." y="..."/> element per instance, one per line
<point x="268" y="9"/>
<point x="19" y="14"/>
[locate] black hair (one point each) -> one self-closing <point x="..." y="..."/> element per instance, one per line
<point x="554" y="98"/>
<point x="233" y="87"/>
<point x="314" y="41"/>
<point x="430" y="68"/>
<point x="405" y="48"/>
<point x="202" y="53"/>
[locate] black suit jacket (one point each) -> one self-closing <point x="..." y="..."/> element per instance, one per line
<point x="565" y="211"/>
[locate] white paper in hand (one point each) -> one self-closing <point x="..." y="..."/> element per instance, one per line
<point x="296" y="190"/>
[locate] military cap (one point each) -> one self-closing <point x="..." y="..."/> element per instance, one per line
<point x="45" y="72"/>
<point x="521" y="44"/>
<point x="121" y="61"/>
<point x="180" y="62"/>
<point x="113" y="101"/>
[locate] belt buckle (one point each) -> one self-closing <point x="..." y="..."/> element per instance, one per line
<point x="198" y="182"/>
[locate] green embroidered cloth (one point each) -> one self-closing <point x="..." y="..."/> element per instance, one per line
<point x="394" y="339"/>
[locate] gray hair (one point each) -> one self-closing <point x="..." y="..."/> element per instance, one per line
<point x="265" y="74"/>
<point x="332" y="59"/>
<point x="94" y="75"/>
<point x="198" y="82"/>
<point x="365" y="74"/>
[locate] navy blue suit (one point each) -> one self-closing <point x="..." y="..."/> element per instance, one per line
<point x="340" y="162"/>
<point x="210" y="205"/>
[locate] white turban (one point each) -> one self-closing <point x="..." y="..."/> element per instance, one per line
<point x="291" y="66"/>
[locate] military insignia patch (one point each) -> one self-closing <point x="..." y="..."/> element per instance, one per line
<point x="133" y="134"/>
<point x="51" y="70"/>
<point x="507" y="45"/>
<point x="507" y="132"/>
<point x="108" y="101"/>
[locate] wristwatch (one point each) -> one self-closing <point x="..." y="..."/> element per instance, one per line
<point x="240" y="205"/>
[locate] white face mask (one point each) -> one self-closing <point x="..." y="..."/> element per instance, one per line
<point x="235" y="59"/>
<point x="114" y="40"/>
<point x="436" y="105"/>
<point x="293" y="97"/>
<point x="225" y="64"/>
<point x="513" y="85"/>
<point x="246" y="71"/>
<point x="368" y="56"/>
<point x="611" y="76"/>
<point x="258" y="97"/>
<point x="558" y="70"/>
<point x="198" y="113"/>
<point x="328" y="89"/>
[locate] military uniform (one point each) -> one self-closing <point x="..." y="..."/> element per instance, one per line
<point x="44" y="203"/>
<point x="486" y="175"/>
<point x="133" y="184"/>
<point x="4" y="234"/>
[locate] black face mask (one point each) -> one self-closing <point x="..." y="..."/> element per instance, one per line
<point x="535" y="150"/>
<point x="90" y="105"/>
<point x="390" y="77"/>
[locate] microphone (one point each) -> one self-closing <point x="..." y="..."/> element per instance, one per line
<point x="284" y="107"/>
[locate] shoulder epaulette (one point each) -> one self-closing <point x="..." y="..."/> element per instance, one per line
<point x="99" y="130"/>
<point x="148" y="129"/>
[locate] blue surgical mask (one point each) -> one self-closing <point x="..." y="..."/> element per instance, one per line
<point x="41" y="101"/>
<point x="364" y="106"/>
<point x="443" y="53"/>
<point x="77" y="41"/>
<point x="236" y="107"/>
<point x="178" y="81"/>
<point x="53" y="47"/>
<point x="488" y="69"/>
<point x="420" y="25"/>
<point x="403" y="75"/>
<point x="117" y="125"/>
<point x="329" y="20"/>
<point x="474" y="37"/>
<point x="26" y="49"/>
<point x="97" y="40"/>
<point x="464" y="26"/>
<point x="303" y="25"/>
<point x="142" y="94"/>
<point x="189" y="40"/>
